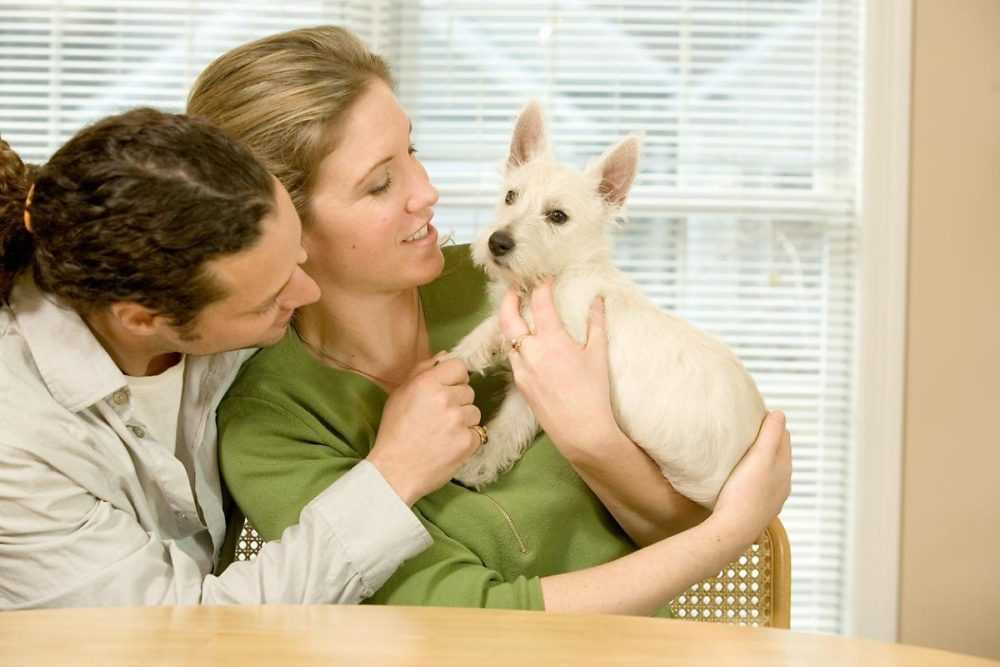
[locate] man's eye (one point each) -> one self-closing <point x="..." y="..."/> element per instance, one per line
<point x="556" y="217"/>
<point x="510" y="198"/>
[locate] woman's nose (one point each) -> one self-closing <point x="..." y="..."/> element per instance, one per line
<point x="424" y="195"/>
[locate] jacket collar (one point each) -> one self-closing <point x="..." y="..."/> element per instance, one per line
<point x="74" y="365"/>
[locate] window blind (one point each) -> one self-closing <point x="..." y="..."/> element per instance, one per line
<point x="744" y="216"/>
<point x="65" y="63"/>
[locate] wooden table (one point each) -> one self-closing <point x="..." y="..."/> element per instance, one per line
<point x="404" y="636"/>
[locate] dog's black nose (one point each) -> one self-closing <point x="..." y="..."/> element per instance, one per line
<point x="501" y="243"/>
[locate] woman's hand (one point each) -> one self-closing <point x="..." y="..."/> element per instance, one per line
<point x="569" y="389"/>
<point x="566" y="383"/>
<point x="425" y="434"/>
<point x="759" y="485"/>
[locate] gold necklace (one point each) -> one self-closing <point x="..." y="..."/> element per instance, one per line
<point x="319" y="350"/>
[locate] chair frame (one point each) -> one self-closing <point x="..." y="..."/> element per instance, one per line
<point x="781" y="575"/>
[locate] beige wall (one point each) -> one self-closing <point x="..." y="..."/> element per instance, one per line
<point x="950" y="574"/>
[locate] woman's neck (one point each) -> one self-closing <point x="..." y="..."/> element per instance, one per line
<point x="378" y="334"/>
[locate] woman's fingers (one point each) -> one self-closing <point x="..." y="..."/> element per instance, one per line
<point x="517" y="366"/>
<point x="511" y="323"/>
<point x="770" y="436"/>
<point x="450" y="371"/>
<point x="774" y="445"/>
<point x="471" y="415"/>
<point x="772" y="432"/>
<point x="461" y="394"/>
<point x="543" y="309"/>
<point x="543" y="312"/>
<point x="785" y="452"/>
<point x="785" y="457"/>
<point x="597" y="329"/>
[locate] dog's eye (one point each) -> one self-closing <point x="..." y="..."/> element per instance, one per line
<point x="556" y="217"/>
<point x="510" y="198"/>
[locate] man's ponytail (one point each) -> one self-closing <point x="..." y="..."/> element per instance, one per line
<point x="17" y="245"/>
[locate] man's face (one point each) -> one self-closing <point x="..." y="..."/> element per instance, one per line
<point x="264" y="285"/>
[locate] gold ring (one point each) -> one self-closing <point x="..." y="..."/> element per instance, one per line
<point x="516" y="343"/>
<point x="480" y="430"/>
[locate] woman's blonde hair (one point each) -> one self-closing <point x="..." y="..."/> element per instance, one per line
<point x="284" y="95"/>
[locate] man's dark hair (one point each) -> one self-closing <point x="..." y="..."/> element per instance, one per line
<point x="131" y="209"/>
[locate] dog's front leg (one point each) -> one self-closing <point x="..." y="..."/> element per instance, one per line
<point x="482" y="347"/>
<point x="510" y="432"/>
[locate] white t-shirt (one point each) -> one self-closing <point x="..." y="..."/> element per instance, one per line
<point x="156" y="402"/>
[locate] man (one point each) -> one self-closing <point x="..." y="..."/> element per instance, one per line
<point x="148" y="246"/>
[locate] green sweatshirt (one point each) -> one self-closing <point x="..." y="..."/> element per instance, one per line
<point x="291" y="426"/>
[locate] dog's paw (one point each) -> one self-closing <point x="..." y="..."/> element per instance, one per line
<point x="477" y="472"/>
<point x="476" y="359"/>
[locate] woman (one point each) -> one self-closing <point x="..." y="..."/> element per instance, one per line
<point x="558" y="531"/>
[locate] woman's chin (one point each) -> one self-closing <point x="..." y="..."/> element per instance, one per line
<point x="428" y="269"/>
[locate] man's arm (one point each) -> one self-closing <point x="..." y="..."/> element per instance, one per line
<point x="60" y="546"/>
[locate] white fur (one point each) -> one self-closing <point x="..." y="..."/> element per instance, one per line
<point x="678" y="393"/>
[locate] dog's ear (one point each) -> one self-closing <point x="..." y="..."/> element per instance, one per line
<point x="616" y="170"/>
<point x="529" y="135"/>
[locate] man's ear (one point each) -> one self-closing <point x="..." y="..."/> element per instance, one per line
<point x="529" y="137"/>
<point x="136" y="319"/>
<point x="616" y="170"/>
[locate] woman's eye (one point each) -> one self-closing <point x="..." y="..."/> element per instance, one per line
<point x="412" y="150"/>
<point x="556" y="217"/>
<point x="379" y="189"/>
<point x="510" y="198"/>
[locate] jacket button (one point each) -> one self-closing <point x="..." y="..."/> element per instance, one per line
<point x="138" y="431"/>
<point x="120" y="397"/>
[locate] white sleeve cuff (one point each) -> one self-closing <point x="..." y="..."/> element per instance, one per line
<point x="370" y="523"/>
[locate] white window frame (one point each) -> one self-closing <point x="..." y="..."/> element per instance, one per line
<point x="874" y="554"/>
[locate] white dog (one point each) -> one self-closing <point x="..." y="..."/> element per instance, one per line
<point x="679" y="394"/>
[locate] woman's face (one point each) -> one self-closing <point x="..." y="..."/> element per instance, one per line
<point x="372" y="204"/>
